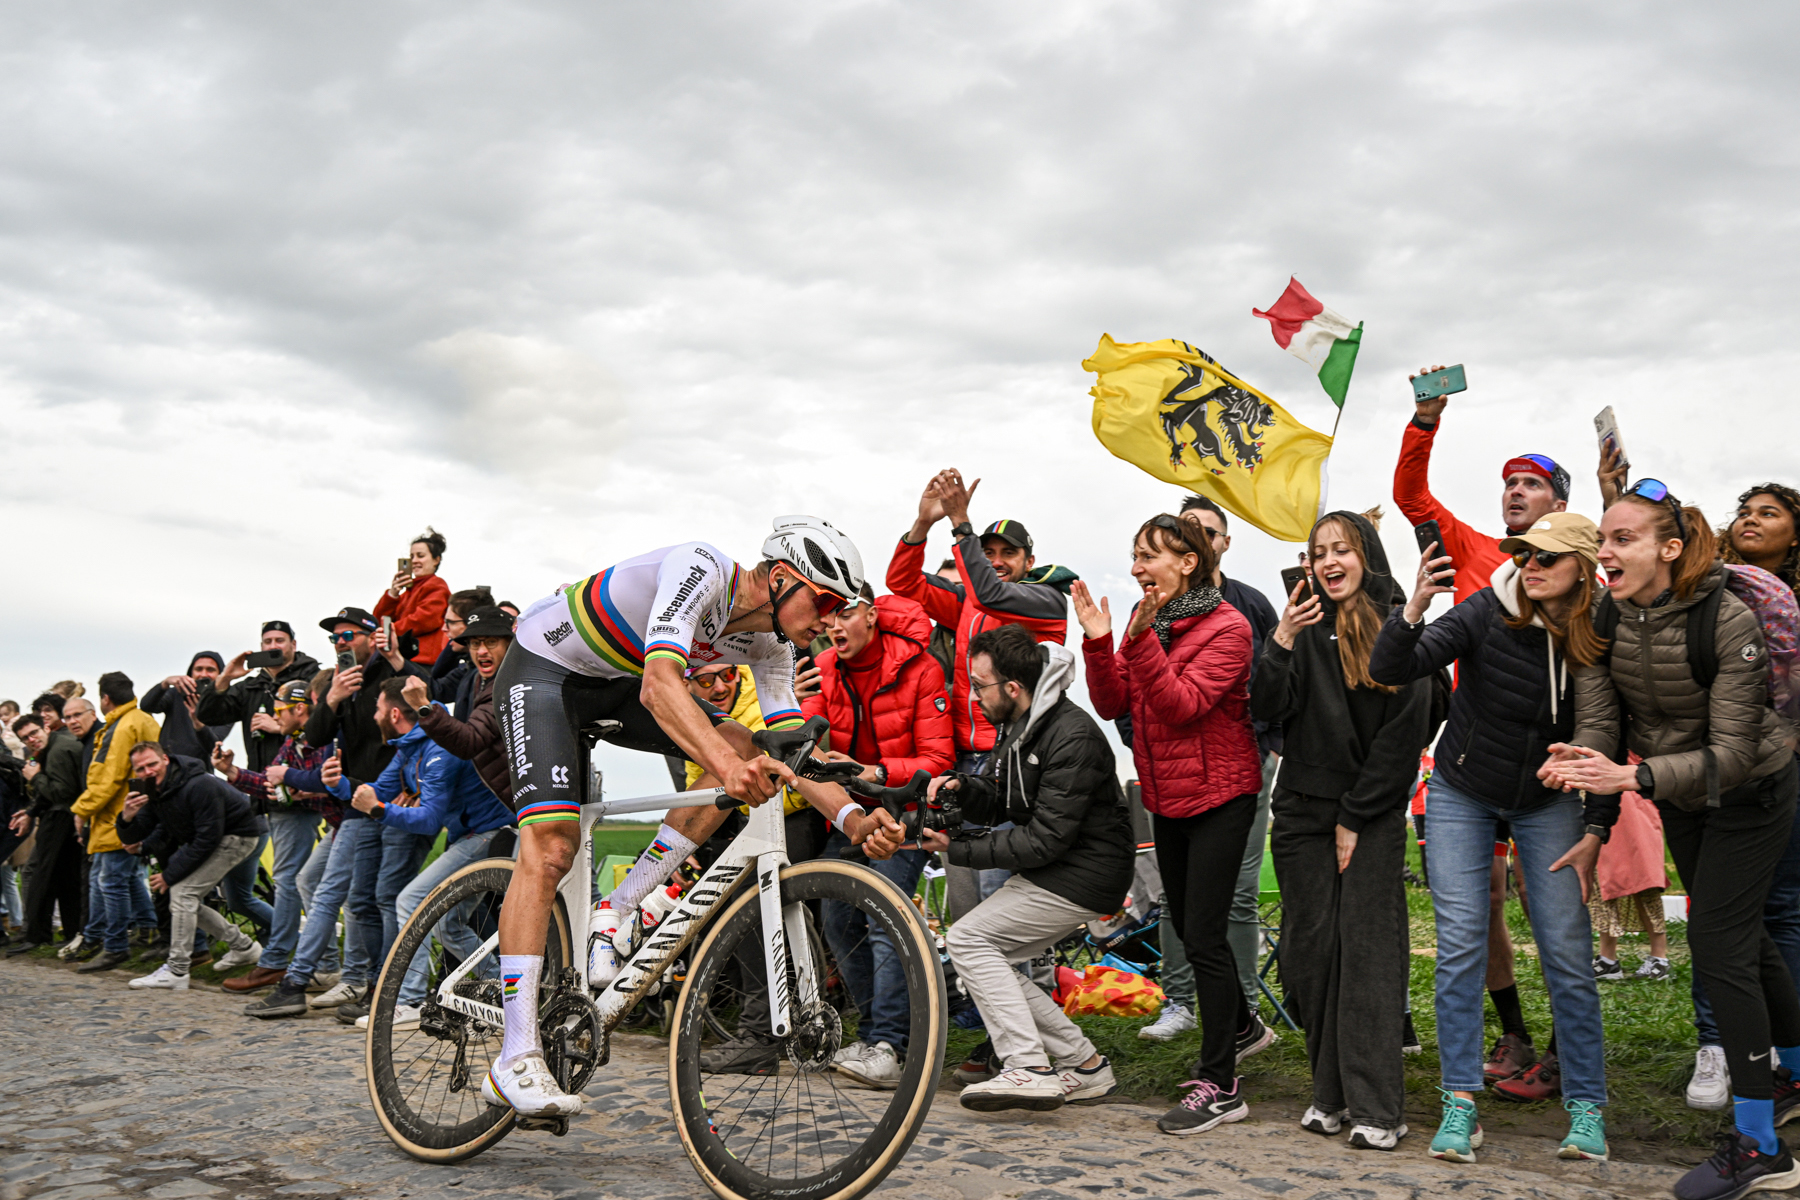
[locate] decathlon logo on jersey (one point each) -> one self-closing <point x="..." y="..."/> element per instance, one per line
<point x="560" y="634"/>
<point x="559" y="777"/>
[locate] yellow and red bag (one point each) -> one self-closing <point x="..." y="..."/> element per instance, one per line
<point x="1110" y="992"/>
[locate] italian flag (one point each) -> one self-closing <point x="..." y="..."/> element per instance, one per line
<point x="1316" y="336"/>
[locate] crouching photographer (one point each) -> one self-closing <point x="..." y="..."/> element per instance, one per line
<point x="1070" y="852"/>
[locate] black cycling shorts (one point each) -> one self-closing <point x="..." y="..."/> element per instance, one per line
<point x="542" y="706"/>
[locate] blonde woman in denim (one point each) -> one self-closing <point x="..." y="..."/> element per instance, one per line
<point x="1516" y="644"/>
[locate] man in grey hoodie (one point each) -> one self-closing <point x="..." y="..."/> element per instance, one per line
<point x="1071" y="853"/>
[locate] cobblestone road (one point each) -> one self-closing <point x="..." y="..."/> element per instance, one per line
<point x="109" y="1092"/>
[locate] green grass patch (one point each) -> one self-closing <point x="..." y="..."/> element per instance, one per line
<point x="617" y="837"/>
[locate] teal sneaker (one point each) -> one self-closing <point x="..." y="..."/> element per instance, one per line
<point x="1458" y="1135"/>
<point x="1587" y="1132"/>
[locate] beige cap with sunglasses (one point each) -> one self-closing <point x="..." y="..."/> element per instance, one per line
<point x="1559" y="533"/>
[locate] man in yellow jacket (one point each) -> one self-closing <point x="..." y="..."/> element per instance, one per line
<point x="108" y="780"/>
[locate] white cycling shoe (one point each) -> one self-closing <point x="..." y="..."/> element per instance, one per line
<point x="528" y="1088"/>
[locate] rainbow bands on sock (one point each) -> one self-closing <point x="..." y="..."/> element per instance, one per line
<point x="549" y="810"/>
<point x="656" y="850"/>
<point x="512" y="984"/>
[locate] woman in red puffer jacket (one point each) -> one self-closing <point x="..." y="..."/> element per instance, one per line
<point x="1183" y="674"/>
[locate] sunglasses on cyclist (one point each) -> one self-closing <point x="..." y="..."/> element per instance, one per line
<point x="824" y="602"/>
<point x="1657" y="492"/>
<point x="1544" y="558"/>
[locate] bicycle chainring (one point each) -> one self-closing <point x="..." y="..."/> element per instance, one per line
<point x="574" y="1039"/>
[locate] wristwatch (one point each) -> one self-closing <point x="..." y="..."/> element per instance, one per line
<point x="423" y="711"/>
<point x="881" y="774"/>
<point x="962" y="531"/>
<point x="1604" y="833"/>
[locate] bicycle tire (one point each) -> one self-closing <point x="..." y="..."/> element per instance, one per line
<point x="453" y="1123"/>
<point x="711" y="1127"/>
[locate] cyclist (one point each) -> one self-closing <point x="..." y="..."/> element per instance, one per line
<point x="616" y="646"/>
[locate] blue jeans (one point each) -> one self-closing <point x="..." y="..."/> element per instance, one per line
<point x="1781" y="917"/>
<point x="10" y="900"/>
<point x="113" y="869"/>
<point x="355" y="857"/>
<point x="294" y="834"/>
<point x="866" y="956"/>
<point x="402" y="854"/>
<point x="239" y="888"/>
<point x="1461" y="855"/>
<point x="307" y="883"/>
<point x="453" y="930"/>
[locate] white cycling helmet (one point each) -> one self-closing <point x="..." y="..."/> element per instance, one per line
<point x="822" y="556"/>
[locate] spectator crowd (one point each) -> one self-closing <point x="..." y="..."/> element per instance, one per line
<point x="1597" y="688"/>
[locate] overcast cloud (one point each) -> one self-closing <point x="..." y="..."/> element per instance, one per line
<point x="281" y="284"/>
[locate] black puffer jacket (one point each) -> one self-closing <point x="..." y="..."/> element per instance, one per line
<point x="190" y="814"/>
<point x="1514" y="695"/>
<point x="1358" y="746"/>
<point x="1053" y="778"/>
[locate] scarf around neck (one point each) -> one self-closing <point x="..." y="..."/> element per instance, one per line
<point x="1195" y="602"/>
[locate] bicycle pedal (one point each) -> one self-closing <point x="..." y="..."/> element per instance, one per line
<point x="558" y="1126"/>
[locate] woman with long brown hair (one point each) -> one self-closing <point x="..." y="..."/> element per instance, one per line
<point x="1338" y="832"/>
<point x="1516" y="644"/>
<point x="1718" y="763"/>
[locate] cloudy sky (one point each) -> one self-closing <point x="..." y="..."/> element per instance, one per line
<point x="281" y="284"/>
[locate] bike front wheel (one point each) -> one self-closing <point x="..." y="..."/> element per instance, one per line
<point x="795" y="1128"/>
<point x="425" y="1079"/>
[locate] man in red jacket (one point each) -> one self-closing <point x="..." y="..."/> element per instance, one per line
<point x="1533" y="485"/>
<point x="884" y="695"/>
<point x="1001" y="585"/>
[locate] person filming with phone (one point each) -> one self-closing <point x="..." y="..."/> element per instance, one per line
<point x="237" y="696"/>
<point x="418" y="599"/>
<point x="177" y="699"/>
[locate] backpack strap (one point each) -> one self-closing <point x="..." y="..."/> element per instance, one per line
<point x="1606" y="617"/>
<point x="1703" y="638"/>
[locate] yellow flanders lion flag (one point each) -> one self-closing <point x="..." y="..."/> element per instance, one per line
<point x="1170" y="409"/>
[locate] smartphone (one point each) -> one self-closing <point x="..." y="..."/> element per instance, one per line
<point x="1428" y="534"/>
<point x="264" y="658"/>
<point x="387" y="628"/>
<point x="1291" y="578"/>
<point x="345" y="660"/>
<point x="1439" y="383"/>
<point x="1606" y="427"/>
<point x="403" y="564"/>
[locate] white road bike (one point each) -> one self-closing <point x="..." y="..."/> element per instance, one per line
<point x="793" y="1127"/>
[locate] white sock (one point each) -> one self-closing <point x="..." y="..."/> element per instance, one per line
<point x="519" y="973"/>
<point x="652" y="869"/>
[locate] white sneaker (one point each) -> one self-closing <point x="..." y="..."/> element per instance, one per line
<point x="1036" y="1088"/>
<point x="1174" y="1019"/>
<point x="603" y="957"/>
<point x="528" y="1088"/>
<point x="240" y="958"/>
<point x="162" y="978"/>
<point x="72" y="946"/>
<point x="406" y="1016"/>
<point x="1374" y="1137"/>
<point x="1710" y="1088"/>
<point x="1088" y="1083"/>
<point x="324" y="981"/>
<point x="874" y="1066"/>
<point x="338" y="993"/>
<point x="1326" y="1124"/>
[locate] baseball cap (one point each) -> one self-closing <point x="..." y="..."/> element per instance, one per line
<point x="278" y="627"/>
<point x="1559" y="533"/>
<point x="1542" y="465"/>
<point x="355" y="616"/>
<point x="292" y="692"/>
<point x="490" y="620"/>
<point x="1011" y="532"/>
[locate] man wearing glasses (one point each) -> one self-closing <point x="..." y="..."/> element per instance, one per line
<point x="237" y="695"/>
<point x="617" y="646"/>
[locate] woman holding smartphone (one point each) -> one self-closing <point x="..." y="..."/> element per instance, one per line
<point x="1338" y="831"/>
<point x="418" y="599"/>
<point x="1718" y="763"/>
<point x="1516" y="644"/>
<point x="1182" y="673"/>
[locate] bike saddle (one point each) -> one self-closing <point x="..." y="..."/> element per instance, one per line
<point x="791" y="745"/>
<point x="599" y="731"/>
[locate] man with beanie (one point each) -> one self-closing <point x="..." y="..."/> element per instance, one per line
<point x="237" y="695"/>
<point x="177" y="700"/>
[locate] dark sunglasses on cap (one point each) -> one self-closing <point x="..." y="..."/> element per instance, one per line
<point x="1544" y="558"/>
<point x="1657" y="492"/>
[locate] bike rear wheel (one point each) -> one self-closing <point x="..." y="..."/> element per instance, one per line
<point x="425" y="1082"/>
<point x="801" y="1131"/>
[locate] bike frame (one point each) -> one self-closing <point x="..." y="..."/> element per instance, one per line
<point x="762" y="844"/>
